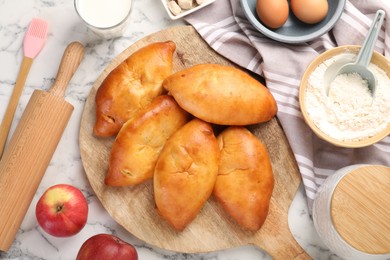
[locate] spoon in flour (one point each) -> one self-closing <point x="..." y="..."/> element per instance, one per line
<point x="365" y="54"/>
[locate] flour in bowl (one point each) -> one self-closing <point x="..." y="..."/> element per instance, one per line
<point x="348" y="112"/>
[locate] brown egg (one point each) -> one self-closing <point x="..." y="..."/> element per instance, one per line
<point x="310" y="11"/>
<point x="273" y="13"/>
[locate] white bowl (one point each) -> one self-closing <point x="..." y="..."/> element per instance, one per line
<point x="186" y="12"/>
<point x="295" y="31"/>
<point x="378" y="59"/>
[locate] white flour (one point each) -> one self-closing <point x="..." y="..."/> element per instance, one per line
<point x="349" y="112"/>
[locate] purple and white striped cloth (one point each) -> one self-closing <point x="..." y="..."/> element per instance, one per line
<point x="225" y="28"/>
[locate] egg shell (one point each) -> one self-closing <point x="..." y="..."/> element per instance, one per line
<point x="309" y="11"/>
<point x="273" y="13"/>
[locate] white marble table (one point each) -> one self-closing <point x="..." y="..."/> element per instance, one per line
<point x="147" y="16"/>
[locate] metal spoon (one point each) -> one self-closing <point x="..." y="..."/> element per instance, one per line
<point x="365" y="54"/>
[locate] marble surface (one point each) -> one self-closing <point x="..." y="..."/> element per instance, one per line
<point x="147" y="16"/>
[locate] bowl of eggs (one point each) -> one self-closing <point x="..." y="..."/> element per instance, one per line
<point x="341" y="109"/>
<point x="293" y="21"/>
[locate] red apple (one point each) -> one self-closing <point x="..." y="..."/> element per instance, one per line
<point x="107" y="247"/>
<point x="62" y="210"/>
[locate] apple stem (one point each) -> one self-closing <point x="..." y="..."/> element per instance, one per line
<point x="59" y="208"/>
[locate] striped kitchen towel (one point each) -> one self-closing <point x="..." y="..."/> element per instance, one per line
<point x="225" y="28"/>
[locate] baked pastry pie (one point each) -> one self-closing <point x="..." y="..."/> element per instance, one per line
<point x="131" y="86"/>
<point x="185" y="173"/>
<point x="221" y="94"/>
<point x="139" y="142"/>
<point x="245" y="180"/>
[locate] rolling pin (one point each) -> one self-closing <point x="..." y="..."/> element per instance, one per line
<point x="32" y="146"/>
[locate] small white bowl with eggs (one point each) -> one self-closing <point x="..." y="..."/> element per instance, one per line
<point x="286" y="26"/>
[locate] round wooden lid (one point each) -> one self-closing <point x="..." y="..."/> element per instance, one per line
<point x="360" y="209"/>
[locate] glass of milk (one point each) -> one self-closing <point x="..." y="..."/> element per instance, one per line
<point x="106" y="18"/>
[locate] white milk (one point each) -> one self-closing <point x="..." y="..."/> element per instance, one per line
<point x="105" y="17"/>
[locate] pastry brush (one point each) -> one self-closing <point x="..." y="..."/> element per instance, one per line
<point x="33" y="43"/>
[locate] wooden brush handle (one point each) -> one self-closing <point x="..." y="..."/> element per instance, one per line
<point x="13" y="102"/>
<point x="71" y="59"/>
<point x="32" y="146"/>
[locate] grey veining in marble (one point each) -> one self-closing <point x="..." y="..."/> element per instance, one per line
<point x="147" y="16"/>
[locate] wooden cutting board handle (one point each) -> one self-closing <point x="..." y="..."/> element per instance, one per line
<point x="32" y="146"/>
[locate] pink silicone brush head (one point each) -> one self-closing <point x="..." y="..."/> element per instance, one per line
<point x="35" y="38"/>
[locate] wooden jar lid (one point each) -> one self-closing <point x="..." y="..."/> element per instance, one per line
<point x="360" y="209"/>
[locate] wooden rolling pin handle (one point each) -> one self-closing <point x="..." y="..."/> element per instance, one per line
<point x="71" y="59"/>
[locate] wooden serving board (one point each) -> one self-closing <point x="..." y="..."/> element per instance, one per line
<point x="134" y="208"/>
